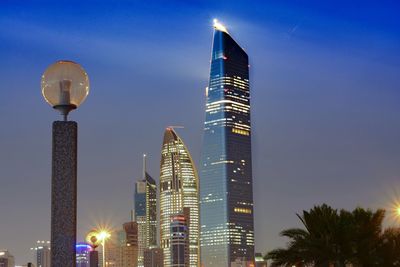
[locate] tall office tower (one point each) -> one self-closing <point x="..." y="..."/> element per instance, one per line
<point x="146" y="212"/>
<point x="82" y="254"/>
<point x="179" y="243"/>
<point x="178" y="190"/>
<point x="226" y="196"/>
<point x="153" y="257"/>
<point x="6" y="259"/>
<point x="42" y="253"/>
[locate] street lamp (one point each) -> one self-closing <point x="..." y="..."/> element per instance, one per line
<point x="103" y="236"/>
<point x="65" y="86"/>
<point x="93" y="240"/>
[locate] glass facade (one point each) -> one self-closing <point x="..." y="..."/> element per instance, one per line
<point x="226" y="195"/>
<point x="178" y="193"/>
<point x="146" y="213"/>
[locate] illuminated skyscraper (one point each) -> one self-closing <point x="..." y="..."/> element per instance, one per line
<point x="226" y="195"/>
<point x="146" y="212"/>
<point x="178" y="190"/>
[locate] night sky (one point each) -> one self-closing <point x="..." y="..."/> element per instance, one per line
<point x="325" y="87"/>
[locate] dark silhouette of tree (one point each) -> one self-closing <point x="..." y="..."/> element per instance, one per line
<point x="333" y="238"/>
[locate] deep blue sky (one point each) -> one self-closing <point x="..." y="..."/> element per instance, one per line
<point x="325" y="81"/>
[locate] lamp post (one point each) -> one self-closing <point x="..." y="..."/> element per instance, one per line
<point x="94" y="242"/>
<point x="65" y="86"/>
<point x="103" y="236"/>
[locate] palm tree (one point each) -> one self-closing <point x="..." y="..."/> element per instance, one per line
<point x="332" y="239"/>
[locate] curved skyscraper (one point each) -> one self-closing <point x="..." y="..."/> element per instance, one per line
<point x="178" y="195"/>
<point x="226" y="195"/>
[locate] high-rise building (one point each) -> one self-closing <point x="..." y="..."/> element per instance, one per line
<point x="178" y="190"/>
<point x="42" y="253"/>
<point x="226" y="196"/>
<point x="146" y="212"/>
<point x="6" y="259"/>
<point x="179" y="243"/>
<point x="82" y="254"/>
<point x="153" y="257"/>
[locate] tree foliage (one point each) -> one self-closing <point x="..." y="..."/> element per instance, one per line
<point x="333" y="238"/>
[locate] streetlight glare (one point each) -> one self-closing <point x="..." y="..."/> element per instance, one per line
<point x="398" y="211"/>
<point x="103" y="235"/>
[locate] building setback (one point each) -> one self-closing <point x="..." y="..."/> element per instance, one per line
<point x="226" y="196"/>
<point x="178" y="190"/>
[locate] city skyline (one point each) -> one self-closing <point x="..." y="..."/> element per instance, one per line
<point x="325" y="107"/>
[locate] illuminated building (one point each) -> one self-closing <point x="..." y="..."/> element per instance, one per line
<point x="6" y="259"/>
<point x="42" y="253"/>
<point x="178" y="190"/>
<point x="226" y="196"/>
<point x="130" y="249"/>
<point x="153" y="257"/>
<point x="179" y="243"/>
<point x="82" y="254"/>
<point x="146" y="212"/>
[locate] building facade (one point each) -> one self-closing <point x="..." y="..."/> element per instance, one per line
<point x="153" y="257"/>
<point x="180" y="240"/>
<point x="146" y="212"/>
<point x="6" y="259"/>
<point x="178" y="190"/>
<point x="226" y="196"/>
<point x="129" y="250"/>
<point x="42" y="253"/>
<point x="83" y="254"/>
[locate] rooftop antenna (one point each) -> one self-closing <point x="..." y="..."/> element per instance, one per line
<point x="144" y="166"/>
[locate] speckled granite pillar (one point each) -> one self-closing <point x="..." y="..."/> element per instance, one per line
<point x="94" y="258"/>
<point x="63" y="194"/>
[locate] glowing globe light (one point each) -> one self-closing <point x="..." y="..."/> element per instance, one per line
<point x="92" y="239"/>
<point x="65" y="85"/>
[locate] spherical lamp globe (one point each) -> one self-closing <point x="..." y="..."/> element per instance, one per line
<point x="65" y="85"/>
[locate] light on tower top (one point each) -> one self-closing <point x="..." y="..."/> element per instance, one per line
<point x="218" y="26"/>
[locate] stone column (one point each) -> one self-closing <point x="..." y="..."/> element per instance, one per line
<point x="63" y="194"/>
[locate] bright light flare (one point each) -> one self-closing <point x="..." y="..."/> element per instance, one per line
<point x="218" y="26"/>
<point x="103" y="235"/>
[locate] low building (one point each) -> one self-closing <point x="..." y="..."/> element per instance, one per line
<point x="6" y="259"/>
<point x="42" y="253"/>
<point x="83" y="254"/>
<point x="179" y="242"/>
<point x="260" y="262"/>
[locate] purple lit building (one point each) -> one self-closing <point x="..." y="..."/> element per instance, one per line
<point x="82" y="254"/>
